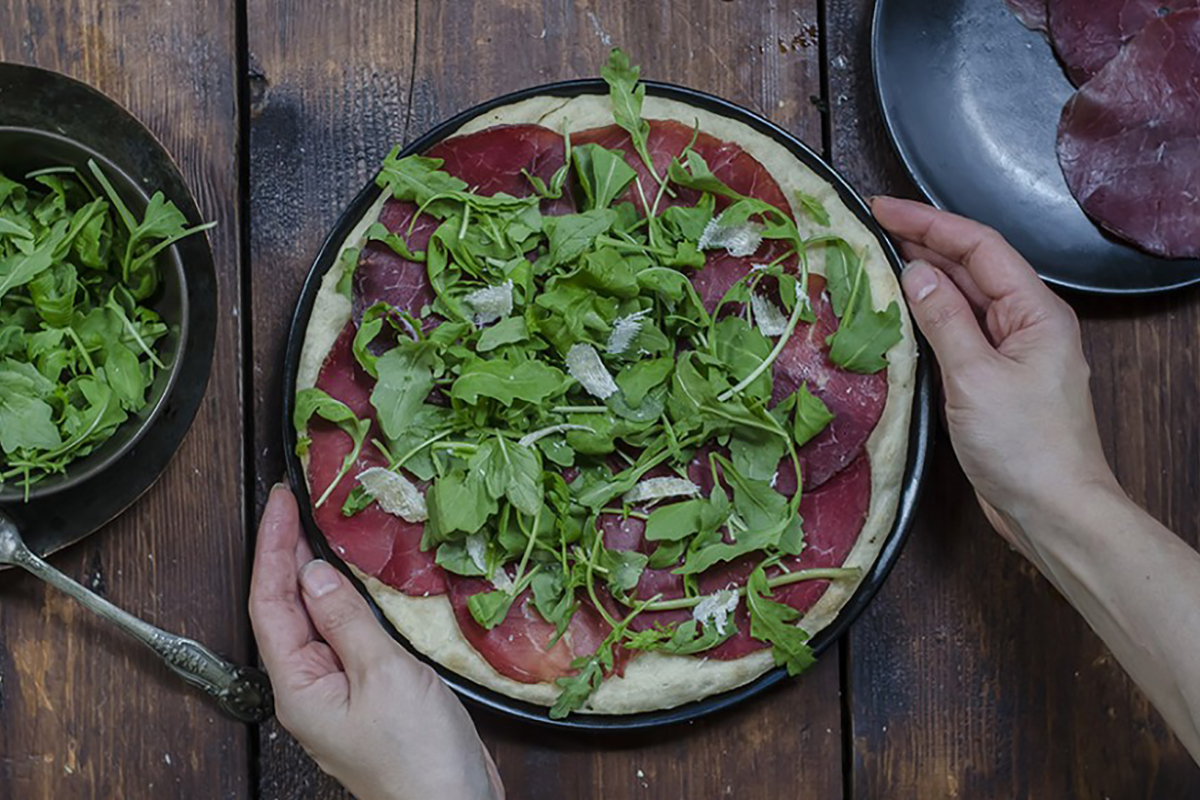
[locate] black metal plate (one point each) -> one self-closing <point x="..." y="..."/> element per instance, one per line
<point x="44" y="100"/>
<point x="972" y="99"/>
<point x="920" y="438"/>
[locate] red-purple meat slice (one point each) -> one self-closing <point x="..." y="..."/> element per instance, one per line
<point x="1087" y="34"/>
<point x="1129" y="140"/>
<point x="1032" y="13"/>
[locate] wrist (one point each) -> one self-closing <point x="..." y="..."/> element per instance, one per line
<point x="1071" y="512"/>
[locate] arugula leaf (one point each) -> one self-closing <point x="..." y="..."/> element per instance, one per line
<point x="554" y="598"/>
<point x="774" y="623"/>
<point x="812" y="416"/>
<point x="603" y="174"/>
<point x="684" y="639"/>
<point x="627" y="94"/>
<point x="403" y="385"/>
<point x="624" y="568"/>
<point x="675" y="521"/>
<point x="813" y="207"/>
<point x="572" y="234"/>
<point x="458" y="501"/>
<point x="864" y="335"/>
<point x="511" y="330"/>
<point x="530" y="381"/>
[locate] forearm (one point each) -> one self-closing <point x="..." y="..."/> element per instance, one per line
<point x="1137" y="585"/>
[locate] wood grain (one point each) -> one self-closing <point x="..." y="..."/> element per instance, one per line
<point x="969" y="675"/>
<point x="84" y="712"/>
<point x="764" y="56"/>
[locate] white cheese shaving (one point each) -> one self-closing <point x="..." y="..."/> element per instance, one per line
<point x="502" y="581"/>
<point x="716" y="609"/>
<point x="530" y="438"/>
<point x="395" y="494"/>
<point x="585" y="366"/>
<point x="624" y="331"/>
<point x="491" y="302"/>
<point x="660" y="488"/>
<point x="771" y="321"/>
<point x="738" y="240"/>
<point x="477" y="551"/>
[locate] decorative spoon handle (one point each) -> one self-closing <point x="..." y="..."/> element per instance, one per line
<point x="243" y="692"/>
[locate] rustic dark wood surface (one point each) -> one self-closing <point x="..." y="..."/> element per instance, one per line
<point x="969" y="677"/>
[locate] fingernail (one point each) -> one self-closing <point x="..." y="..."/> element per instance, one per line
<point x="319" y="578"/>
<point x="919" y="279"/>
<point x="278" y="485"/>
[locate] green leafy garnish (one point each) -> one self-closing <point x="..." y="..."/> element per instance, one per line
<point x="79" y="341"/>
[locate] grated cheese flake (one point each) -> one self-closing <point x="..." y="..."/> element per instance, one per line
<point x="491" y="303"/>
<point x="624" y="331"/>
<point x="395" y="494"/>
<point x="771" y="321"/>
<point x="660" y="488"/>
<point x="585" y="366"/>
<point x="738" y="240"/>
<point x="530" y="438"/>
<point x="716" y="609"/>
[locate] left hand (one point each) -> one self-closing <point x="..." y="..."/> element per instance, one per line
<point x="364" y="708"/>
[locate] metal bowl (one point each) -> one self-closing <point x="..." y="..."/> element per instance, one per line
<point x="23" y="150"/>
<point x="920" y="439"/>
<point x="48" y="118"/>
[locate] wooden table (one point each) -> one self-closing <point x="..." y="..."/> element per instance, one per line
<point x="968" y="677"/>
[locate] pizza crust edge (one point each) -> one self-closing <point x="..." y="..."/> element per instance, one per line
<point x="656" y="681"/>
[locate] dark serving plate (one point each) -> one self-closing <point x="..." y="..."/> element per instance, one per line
<point x="971" y="99"/>
<point x="46" y="117"/>
<point x="920" y="437"/>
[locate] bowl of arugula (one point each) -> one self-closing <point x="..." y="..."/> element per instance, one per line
<point x="93" y="311"/>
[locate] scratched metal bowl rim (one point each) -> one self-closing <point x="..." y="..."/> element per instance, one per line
<point x="37" y="99"/>
<point x="920" y="435"/>
<point x="25" y="149"/>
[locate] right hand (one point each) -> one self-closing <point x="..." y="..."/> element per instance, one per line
<point x="1013" y="371"/>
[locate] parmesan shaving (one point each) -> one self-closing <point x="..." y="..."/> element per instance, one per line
<point x="771" y="321"/>
<point x="624" y="331"/>
<point x="530" y="438"/>
<point x="585" y="366"/>
<point x="395" y="494"/>
<point x="716" y="609"/>
<point x="660" y="488"/>
<point x="491" y="303"/>
<point x="477" y="551"/>
<point x="738" y="240"/>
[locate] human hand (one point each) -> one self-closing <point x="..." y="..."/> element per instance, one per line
<point x="369" y="713"/>
<point x="1015" y="379"/>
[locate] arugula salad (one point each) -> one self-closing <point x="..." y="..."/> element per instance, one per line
<point x="577" y="346"/>
<point x="77" y="336"/>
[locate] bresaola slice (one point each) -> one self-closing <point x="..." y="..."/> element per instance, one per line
<point x="1129" y="140"/>
<point x="1032" y="13"/>
<point x="379" y="544"/>
<point x="1087" y="34"/>
<point x="490" y="161"/>
<point x="519" y="647"/>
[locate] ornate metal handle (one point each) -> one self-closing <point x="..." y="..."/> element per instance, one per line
<point x="243" y="692"/>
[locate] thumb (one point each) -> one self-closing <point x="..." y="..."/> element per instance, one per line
<point x="944" y="316"/>
<point x="342" y="618"/>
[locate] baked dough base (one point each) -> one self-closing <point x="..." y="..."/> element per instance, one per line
<point x="655" y="681"/>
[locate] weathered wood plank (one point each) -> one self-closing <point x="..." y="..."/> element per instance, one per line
<point x="764" y="56"/>
<point x="84" y="712"/>
<point x="969" y="675"/>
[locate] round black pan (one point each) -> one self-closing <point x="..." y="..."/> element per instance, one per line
<point x="919" y="441"/>
<point x="971" y="99"/>
<point x="39" y="99"/>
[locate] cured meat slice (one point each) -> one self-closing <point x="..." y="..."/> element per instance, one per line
<point x="379" y="544"/>
<point x="1032" y="13"/>
<point x="519" y="647"/>
<point x="856" y="400"/>
<point x="1087" y="34"/>
<point x="735" y="167"/>
<point x="1129" y="140"/>
<point x="490" y="161"/>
